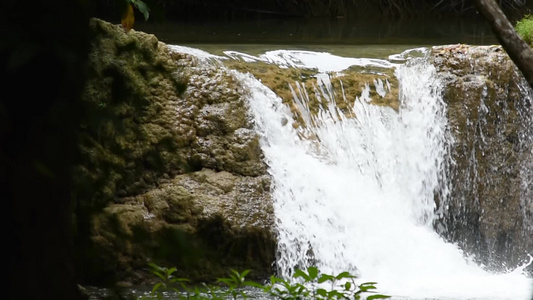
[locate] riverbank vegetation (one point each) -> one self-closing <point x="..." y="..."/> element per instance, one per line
<point x="524" y="28"/>
<point x="305" y="284"/>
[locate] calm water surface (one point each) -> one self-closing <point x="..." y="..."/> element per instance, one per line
<point x="372" y="39"/>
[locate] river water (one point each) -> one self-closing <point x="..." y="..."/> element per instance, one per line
<point x="352" y="38"/>
<point x="358" y="197"/>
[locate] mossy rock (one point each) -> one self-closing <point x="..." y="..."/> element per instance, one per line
<point x="204" y="223"/>
<point x="347" y="85"/>
<point x="169" y="160"/>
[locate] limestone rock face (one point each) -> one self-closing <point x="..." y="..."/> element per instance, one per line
<point x="490" y="210"/>
<point x="345" y="85"/>
<point x="171" y="169"/>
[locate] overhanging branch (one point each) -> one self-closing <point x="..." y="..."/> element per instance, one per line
<point x="517" y="49"/>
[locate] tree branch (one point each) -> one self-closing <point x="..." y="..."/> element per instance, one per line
<point x="517" y="49"/>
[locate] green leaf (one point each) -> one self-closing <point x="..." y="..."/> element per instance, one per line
<point x="335" y="294"/>
<point x="154" y="266"/>
<point x="367" y="286"/>
<point x="178" y="280"/>
<point x="344" y="275"/>
<point x="142" y="7"/>
<point x="325" y="277"/>
<point x="322" y="292"/>
<point x="301" y="288"/>
<point x="377" y="297"/>
<point x="226" y="281"/>
<point x="244" y="273"/>
<point x="300" y="273"/>
<point x="347" y="286"/>
<point x="156" y="287"/>
<point x="313" y="272"/>
<point x="235" y="273"/>
<point x="253" y="284"/>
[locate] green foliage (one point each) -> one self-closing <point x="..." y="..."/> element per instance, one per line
<point x="141" y="6"/>
<point x="310" y="284"/>
<point x="235" y="282"/>
<point x="128" y="16"/>
<point x="314" y="285"/>
<point x="166" y="281"/>
<point x="524" y="28"/>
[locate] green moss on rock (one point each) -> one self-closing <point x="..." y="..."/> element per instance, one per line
<point x="169" y="160"/>
<point x="347" y="85"/>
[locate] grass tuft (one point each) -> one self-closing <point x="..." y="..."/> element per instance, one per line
<point x="524" y="28"/>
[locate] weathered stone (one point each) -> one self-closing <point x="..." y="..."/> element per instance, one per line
<point x="185" y="208"/>
<point x="171" y="170"/>
<point x="490" y="211"/>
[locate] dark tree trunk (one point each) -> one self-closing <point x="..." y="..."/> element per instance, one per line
<point x="519" y="52"/>
<point x="43" y="50"/>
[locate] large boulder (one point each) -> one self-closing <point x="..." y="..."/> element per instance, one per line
<point x="171" y="168"/>
<point x="489" y="212"/>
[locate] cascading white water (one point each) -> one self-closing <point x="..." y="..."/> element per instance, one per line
<point x="526" y="171"/>
<point x="359" y="196"/>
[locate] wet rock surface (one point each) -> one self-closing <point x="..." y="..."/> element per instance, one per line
<point x="490" y="210"/>
<point x="316" y="88"/>
<point x="171" y="168"/>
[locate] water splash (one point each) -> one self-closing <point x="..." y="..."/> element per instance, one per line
<point x="359" y="196"/>
<point x="526" y="171"/>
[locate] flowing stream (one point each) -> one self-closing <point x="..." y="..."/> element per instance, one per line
<point x="359" y="194"/>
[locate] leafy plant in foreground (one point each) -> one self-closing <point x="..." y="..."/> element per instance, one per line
<point x="236" y="281"/>
<point x="309" y="284"/>
<point x="166" y="281"/>
<point x="312" y="285"/>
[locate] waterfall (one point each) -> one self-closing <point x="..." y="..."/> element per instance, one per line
<point x="359" y="195"/>
<point x="526" y="171"/>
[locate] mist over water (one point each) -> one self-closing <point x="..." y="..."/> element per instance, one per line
<point x="358" y="195"/>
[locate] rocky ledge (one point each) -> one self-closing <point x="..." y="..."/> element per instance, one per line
<point x="490" y="211"/>
<point x="171" y="169"/>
